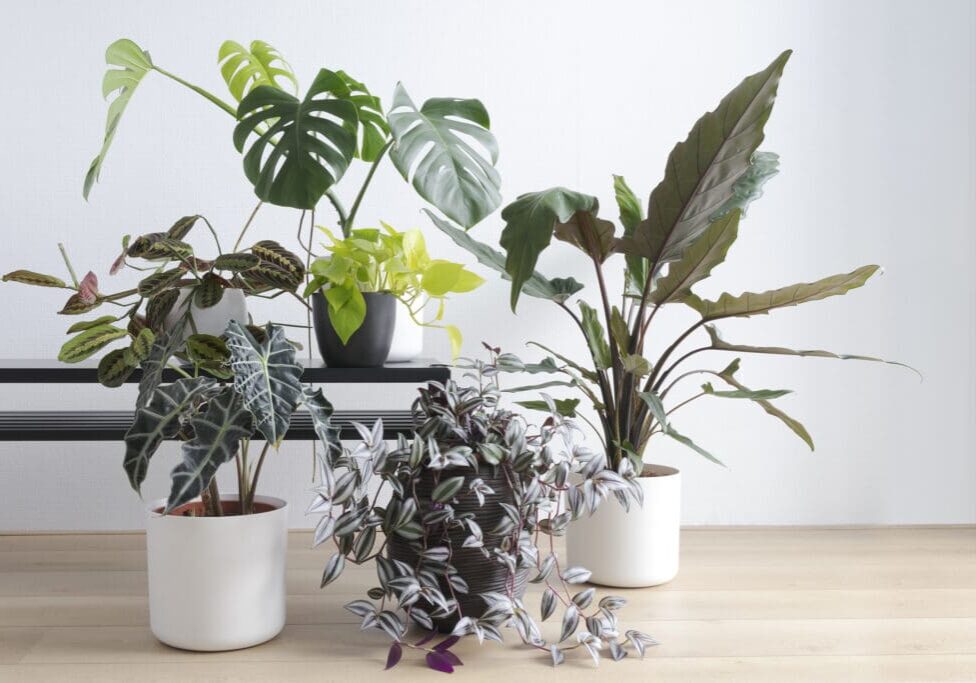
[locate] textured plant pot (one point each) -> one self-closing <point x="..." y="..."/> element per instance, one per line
<point x="632" y="549"/>
<point x="481" y="575"/>
<point x="217" y="583"/>
<point x="213" y="320"/>
<point x="369" y="346"/>
<point x="408" y="337"/>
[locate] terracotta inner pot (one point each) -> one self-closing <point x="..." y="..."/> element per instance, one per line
<point x="658" y="471"/>
<point x="230" y="508"/>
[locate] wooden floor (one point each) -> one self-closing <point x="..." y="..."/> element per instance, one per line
<point x="749" y="605"/>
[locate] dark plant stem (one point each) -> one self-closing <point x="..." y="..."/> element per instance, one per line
<point x="247" y="225"/>
<point x="339" y="209"/>
<point x="210" y="497"/>
<point x="253" y="484"/>
<point x="350" y="219"/>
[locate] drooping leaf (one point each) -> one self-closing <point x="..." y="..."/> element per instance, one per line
<point x="159" y="419"/>
<point x="536" y="285"/>
<point x="321" y="411"/>
<point x="596" y="337"/>
<point x="631" y="213"/>
<point x="75" y="305"/>
<point x="134" y="63"/>
<point x="303" y="147"/>
<point x="702" y="170"/>
<point x="209" y="292"/>
<point x="742" y="392"/>
<point x="166" y="344"/>
<point x="141" y="347"/>
<point x="347" y="309"/>
<point x="217" y="433"/>
<point x="114" y="368"/>
<point x="159" y="306"/>
<point x="588" y="233"/>
<point x="619" y="331"/>
<point x="243" y="69"/>
<point x="654" y="404"/>
<point x="206" y="348"/>
<point x="182" y="227"/>
<point x="82" y="325"/>
<point x="570" y="622"/>
<point x="29" y="277"/>
<point x="394" y="655"/>
<point x="333" y="568"/>
<point x="751" y="303"/>
<point x="432" y="151"/>
<point x="698" y="260"/>
<point x="153" y="284"/>
<point x="564" y="406"/>
<point x="529" y="223"/>
<point x="236" y="262"/>
<point x="374" y="132"/>
<point x="88" y="342"/>
<point x="267" y="376"/>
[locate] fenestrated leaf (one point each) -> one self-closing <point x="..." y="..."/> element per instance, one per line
<point x="88" y="342"/>
<point x="237" y="262"/>
<point x="596" y="337"/>
<point x="159" y="419"/>
<point x="432" y="151"/>
<point x="267" y="376"/>
<point x="529" y="223"/>
<point x="536" y="285"/>
<point x="243" y="69"/>
<point x="702" y="170"/>
<point x="374" y="132"/>
<point x="209" y="292"/>
<point x="114" y="368"/>
<point x="182" y="227"/>
<point x="153" y="284"/>
<point x="698" y="260"/>
<point x="588" y="233"/>
<point x="134" y="63"/>
<point x="795" y="426"/>
<point x="752" y="303"/>
<point x="217" y="433"/>
<point x="303" y="146"/>
<point x="29" y="277"/>
<point x="656" y="408"/>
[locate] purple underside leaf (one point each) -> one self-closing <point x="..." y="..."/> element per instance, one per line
<point x="447" y="643"/>
<point x="438" y="662"/>
<point x="426" y="639"/>
<point x="393" y="658"/>
<point x="451" y="657"/>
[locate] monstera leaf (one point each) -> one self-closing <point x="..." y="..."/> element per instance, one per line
<point x="698" y="260"/>
<point x="752" y="303"/>
<point x="243" y="69"/>
<point x="431" y="150"/>
<point x="702" y="170"/>
<point x="303" y="146"/>
<point x="216" y="435"/>
<point x="536" y="285"/>
<point x="267" y="376"/>
<point x="529" y="223"/>
<point x="374" y="131"/>
<point x="157" y="420"/>
<point x="134" y="63"/>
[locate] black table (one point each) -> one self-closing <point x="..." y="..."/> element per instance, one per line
<point x="111" y="425"/>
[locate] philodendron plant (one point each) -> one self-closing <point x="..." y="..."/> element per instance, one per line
<point x="217" y="422"/>
<point x="373" y="260"/>
<point x="443" y="529"/>
<point x="296" y="148"/>
<point x="691" y="221"/>
<point x="173" y="280"/>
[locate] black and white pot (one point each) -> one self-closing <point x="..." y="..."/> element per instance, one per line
<point x="217" y="583"/>
<point x="632" y="549"/>
<point x="369" y="346"/>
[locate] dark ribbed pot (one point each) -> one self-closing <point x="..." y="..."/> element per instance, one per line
<point x="481" y="575"/>
<point x="368" y="346"/>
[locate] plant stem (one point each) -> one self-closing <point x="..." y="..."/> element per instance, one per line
<point x="214" y="233"/>
<point x="211" y="498"/>
<point x="247" y="225"/>
<point x="348" y="223"/>
<point x="67" y="262"/>
<point x="308" y="278"/>
<point x="340" y="210"/>
<point x="200" y="91"/>
<point x="253" y="484"/>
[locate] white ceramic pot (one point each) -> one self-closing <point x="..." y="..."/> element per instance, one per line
<point x="213" y="320"/>
<point x="217" y="583"/>
<point x="408" y="337"/>
<point x="632" y="549"/>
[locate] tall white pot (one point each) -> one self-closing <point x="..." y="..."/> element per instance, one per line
<point x="632" y="549"/>
<point x="217" y="583"/>
<point x="213" y="320"/>
<point x="408" y="337"/>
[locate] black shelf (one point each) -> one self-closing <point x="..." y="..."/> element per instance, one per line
<point x="111" y="425"/>
<point x="54" y="372"/>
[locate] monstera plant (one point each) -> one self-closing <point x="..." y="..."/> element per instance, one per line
<point x="691" y="221"/>
<point x="297" y="147"/>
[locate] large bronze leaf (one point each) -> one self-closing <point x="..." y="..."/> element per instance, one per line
<point x="697" y="262"/>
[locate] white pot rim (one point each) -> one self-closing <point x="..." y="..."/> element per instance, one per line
<point x="653" y="471"/>
<point x="277" y="504"/>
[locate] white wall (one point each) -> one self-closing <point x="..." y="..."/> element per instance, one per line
<point x="874" y="125"/>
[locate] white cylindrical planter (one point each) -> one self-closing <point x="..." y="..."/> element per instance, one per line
<point x="213" y="320"/>
<point x="408" y="337"/>
<point x="217" y="583"/>
<point x="632" y="549"/>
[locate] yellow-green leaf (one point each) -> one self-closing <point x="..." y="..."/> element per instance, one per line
<point x="29" y="277"/>
<point x="83" y="345"/>
<point x="83" y="325"/>
<point x="115" y="368"/>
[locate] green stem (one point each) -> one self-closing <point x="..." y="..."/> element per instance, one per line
<point x="340" y="210"/>
<point x="253" y="484"/>
<point x="348" y="223"/>
<point x="200" y="91"/>
<point x="214" y="233"/>
<point x="67" y="262"/>
<point x="247" y="225"/>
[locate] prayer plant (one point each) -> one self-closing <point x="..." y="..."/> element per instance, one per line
<point x="692" y="219"/>
<point x="460" y="517"/>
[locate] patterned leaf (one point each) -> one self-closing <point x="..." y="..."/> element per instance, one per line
<point x="114" y="368"/>
<point x="167" y="248"/>
<point x="29" y="277"/>
<point x="75" y="305"/>
<point x="152" y="285"/>
<point x="88" y="342"/>
<point x="277" y="255"/>
<point x="82" y="325"/>
<point x="159" y="419"/>
<point x="163" y="349"/>
<point x="236" y="262"/>
<point x="141" y="347"/>
<point x="140" y="247"/>
<point x="203" y="348"/>
<point x="333" y="568"/>
<point x="267" y="376"/>
<point x="321" y="411"/>
<point x="182" y="227"/>
<point x="209" y="292"/>
<point x="447" y="489"/>
<point x="216" y="436"/>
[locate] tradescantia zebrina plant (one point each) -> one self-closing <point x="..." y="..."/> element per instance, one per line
<point x="476" y="498"/>
<point x="297" y="147"/>
<point x="691" y="221"/>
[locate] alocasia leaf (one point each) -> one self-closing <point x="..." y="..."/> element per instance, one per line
<point x="699" y="259"/>
<point x="267" y="376"/>
<point x="321" y="411"/>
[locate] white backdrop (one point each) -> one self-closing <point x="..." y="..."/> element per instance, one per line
<point x="874" y="125"/>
